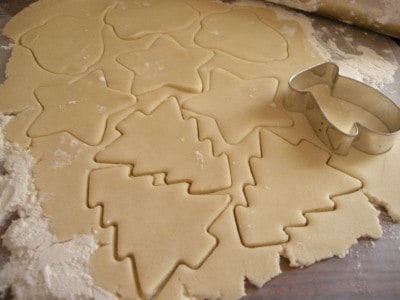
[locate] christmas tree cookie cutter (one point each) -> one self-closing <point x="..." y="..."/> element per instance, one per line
<point x="300" y="99"/>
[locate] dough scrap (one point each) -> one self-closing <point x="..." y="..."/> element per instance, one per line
<point x="117" y="76"/>
<point x="239" y="155"/>
<point x="165" y="134"/>
<point x="148" y="223"/>
<point x="149" y="101"/>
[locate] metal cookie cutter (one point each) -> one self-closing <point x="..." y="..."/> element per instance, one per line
<point x="368" y="140"/>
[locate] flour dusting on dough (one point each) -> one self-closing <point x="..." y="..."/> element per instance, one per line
<point x="199" y="158"/>
<point x="62" y="159"/>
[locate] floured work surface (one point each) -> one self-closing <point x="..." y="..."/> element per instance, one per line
<point x="164" y="140"/>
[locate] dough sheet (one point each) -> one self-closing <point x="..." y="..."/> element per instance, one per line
<point x="158" y="127"/>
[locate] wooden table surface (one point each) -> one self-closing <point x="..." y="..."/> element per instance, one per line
<point x="371" y="270"/>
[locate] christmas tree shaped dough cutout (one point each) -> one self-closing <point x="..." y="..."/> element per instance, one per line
<point x="223" y="274"/>
<point x="160" y="226"/>
<point x="163" y="142"/>
<point x="290" y="180"/>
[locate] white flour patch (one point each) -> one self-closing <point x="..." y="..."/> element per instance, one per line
<point x="39" y="267"/>
<point x="7" y="47"/>
<point x="199" y="158"/>
<point x="62" y="159"/>
<point x="391" y="12"/>
<point x="366" y="65"/>
<point x="289" y="30"/>
<point x="101" y="108"/>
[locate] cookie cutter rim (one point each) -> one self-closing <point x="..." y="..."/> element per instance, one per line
<point x="366" y="139"/>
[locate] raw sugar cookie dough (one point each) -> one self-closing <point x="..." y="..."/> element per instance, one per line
<point x="159" y="149"/>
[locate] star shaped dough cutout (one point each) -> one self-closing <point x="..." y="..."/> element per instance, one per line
<point x="160" y="226"/>
<point x="80" y="108"/>
<point x="239" y="105"/>
<point x="166" y="63"/>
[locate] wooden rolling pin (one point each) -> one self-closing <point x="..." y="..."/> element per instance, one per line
<point x="378" y="15"/>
